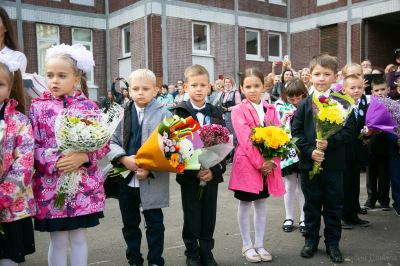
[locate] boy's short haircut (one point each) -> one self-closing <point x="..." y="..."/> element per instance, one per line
<point x="345" y="69"/>
<point x="325" y="61"/>
<point x="143" y="74"/>
<point x="195" y="71"/>
<point x="379" y="81"/>
<point x="268" y="80"/>
<point x="350" y="77"/>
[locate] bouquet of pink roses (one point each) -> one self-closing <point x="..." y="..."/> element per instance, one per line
<point x="218" y="144"/>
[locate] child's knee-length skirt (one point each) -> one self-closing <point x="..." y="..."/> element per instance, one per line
<point x="68" y="224"/>
<point x="247" y="196"/>
<point x="18" y="240"/>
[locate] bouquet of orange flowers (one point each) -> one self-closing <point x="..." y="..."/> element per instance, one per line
<point x="272" y="141"/>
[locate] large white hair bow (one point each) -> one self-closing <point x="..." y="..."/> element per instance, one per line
<point x="84" y="58"/>
<point x="12" y="65"/>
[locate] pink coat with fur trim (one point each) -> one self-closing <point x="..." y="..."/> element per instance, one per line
<point x="245" y="175"/>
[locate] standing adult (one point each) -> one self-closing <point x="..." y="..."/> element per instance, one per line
<point x="219" y="88"/>
<point x="277" y="89"/>
<point x="179" y="83"/>
<point x="389" y="68"/>
<point x="108" y="101"/>
<point x="393" y="76"/>
<point x="118" y="95"/>
<point x="229" y="98"/>
<point x="305" y="77"/>
<point x="366" y="63"/>
<point x="125" y="96"/>
<point x="8" y="42"/>
<point x="180" y="96"/>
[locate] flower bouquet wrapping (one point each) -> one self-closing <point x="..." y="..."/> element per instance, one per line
<point x="81" y="131"/>
<point x="272" y="141"/>
<point x="218" y="144"/>
<point x="167" y="148"/>
<point x="330" y="116"/>
<point x="383" y="114"/>
<point x="3" y="126"/>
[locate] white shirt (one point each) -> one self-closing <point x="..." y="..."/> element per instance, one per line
<point x="140" y="114"/>
<point x="16" y="56"/>
<point x="260" y="111"/>
<point x="200" y="116"/>
<point x="325" y="94"/>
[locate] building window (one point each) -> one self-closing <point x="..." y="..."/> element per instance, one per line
<point x="126" y="41"/>
<point x="84" y="37"/>
<point x="274" y="47"/>
<point x="201" y="38"/>
<point x="47" y="36"/>
<point x="80" y="2"/>
<point x="329" y="40"/>
<point x="253" y="44"/>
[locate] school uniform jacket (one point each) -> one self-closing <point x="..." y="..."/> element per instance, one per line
<point x="184" y="110"/>
<point x="304" y="129"/>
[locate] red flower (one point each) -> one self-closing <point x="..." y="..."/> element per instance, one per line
<point x="177" y="148"/>
<point x="323" y="99"/>
<point x="171" y="131"/>
<point x="181" y="167"/>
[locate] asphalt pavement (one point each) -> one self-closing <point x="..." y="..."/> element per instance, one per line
<point x="378" y="244"/>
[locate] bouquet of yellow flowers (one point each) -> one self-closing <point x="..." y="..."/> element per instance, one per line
<point x="272" y="141"/>
<point x="330" y="116"/>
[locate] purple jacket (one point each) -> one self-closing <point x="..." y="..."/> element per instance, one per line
<point x="91" y="197"/>
<point x="391" y="79"/>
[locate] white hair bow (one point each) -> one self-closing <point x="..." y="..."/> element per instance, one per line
<point x="12" y="65"/>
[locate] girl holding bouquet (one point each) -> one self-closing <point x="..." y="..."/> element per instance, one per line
<point x="17" y="204"/>
<point x="66" y="68"/>
<point x="292" y="93"/>
<point x="249" y="165"/>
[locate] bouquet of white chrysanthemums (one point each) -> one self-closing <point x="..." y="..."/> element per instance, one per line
<point x="82" y="131"/>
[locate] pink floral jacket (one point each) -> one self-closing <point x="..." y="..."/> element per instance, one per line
<point x="16" y="196"/>
<point x="91" y="197"/>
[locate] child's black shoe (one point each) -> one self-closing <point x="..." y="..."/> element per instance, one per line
<point x="193" y="261"/>
<point x="308" y="250"/>
<point x="398" y="212"/>
<point x="209" y="262"/>
<point x="334" y="253"/>
<point x="359" y="222"/>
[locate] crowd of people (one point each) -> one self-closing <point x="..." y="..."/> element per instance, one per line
<point x="30" y="165"/>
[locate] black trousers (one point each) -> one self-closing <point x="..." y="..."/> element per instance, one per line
<point x="351" y="190"/>
<point x="323" y="197"/>
<point x="129" y="201"/>
<point x="199" y="219"/>
<point x="378" y="180"/>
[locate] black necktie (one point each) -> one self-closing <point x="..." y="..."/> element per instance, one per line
<point x="202" y="110"/>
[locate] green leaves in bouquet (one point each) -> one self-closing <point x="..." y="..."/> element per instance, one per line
<point x="115" y="172"/>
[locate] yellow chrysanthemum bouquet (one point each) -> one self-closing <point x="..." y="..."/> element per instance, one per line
<point x="272" y="141"/>
<point x="330" y="116"/>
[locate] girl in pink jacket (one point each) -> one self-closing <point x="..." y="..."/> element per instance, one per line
<point x="17" y="204"/>
<point x="249" y="165"/>
<point x="65" y="69"/>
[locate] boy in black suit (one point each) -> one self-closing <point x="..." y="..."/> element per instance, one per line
<point x="324" y="193"/>
<point x="378" y="173"/>
<point x="199" y="215"/>
<point x="353" y="86"/>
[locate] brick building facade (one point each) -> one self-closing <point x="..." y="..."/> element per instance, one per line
<point x="225" y="36"/>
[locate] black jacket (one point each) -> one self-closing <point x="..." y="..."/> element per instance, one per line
<point x="304" y="129"/>
<point x="184" y="110"/>
<point x="106" y="105"/>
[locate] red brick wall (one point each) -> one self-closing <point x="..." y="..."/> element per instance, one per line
<point x="99" y="5"/>
<point x="342" y="45"/>
<point x="154" y="37"/>
<point x="179" y="43"/>
<point x="223" y="48"/>
<point x="66" y="35"/>
<point x="264" y="8"/>
<point x="308" y="7"/>
<point x="381" y="43"/>
<point x="138" y="56"/>
<point x="115" y="5"/>
<point x="304" y="46"/>
<point x="355" y="43"/>
<point x="115" y="52"/>
<point x="100" y="58"/>
<point x="226" y="4"/>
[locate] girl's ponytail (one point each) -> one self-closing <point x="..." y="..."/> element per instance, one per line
<point x="84" y="86"/>
<point x="17" y="91"/>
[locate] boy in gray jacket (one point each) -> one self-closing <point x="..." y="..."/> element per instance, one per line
<point x="150" y="189"/>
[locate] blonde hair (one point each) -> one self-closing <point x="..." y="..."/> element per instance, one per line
<point x="231" y="79"/>
<point x="143" y="74"/>
<point x="350" y="77"/>
<point x="77" y="72"/>
<point x="17" y="91"/>
<point x="195" y="70"/>
<point x="345" y="69"/>
<point x="304" y="69"/>
<point x="268" y="80"/>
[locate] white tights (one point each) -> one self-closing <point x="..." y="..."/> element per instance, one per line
<point x="260" y="218"/>
<point x="7" y="262"/>
<point x="58" y="247"/>
<point x="291" y="182"/>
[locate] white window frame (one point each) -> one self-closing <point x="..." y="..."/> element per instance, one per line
<point x="275" y="58"/>
<point x="124" y="54"/>
<point x="258" y="55"/>
<point x="91" y="82"/>
<point x="201" y="52"/>
<point x="38" y="39"/>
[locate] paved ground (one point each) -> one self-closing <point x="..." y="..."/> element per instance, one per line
<point x="378" y="244"/>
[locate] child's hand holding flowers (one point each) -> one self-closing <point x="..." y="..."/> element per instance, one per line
<point x="72" y="161"/>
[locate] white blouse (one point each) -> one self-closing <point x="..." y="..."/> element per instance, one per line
<point x="260" y="111"/>
<point x="16" y="56"/>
